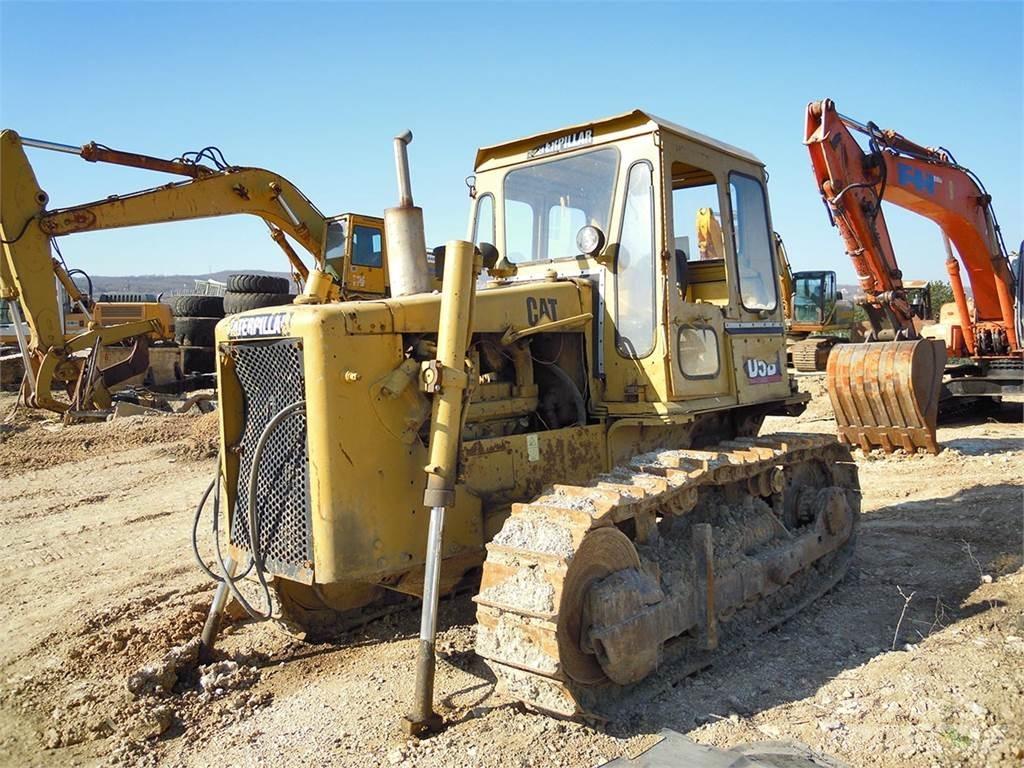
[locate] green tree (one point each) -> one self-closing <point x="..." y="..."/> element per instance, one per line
<point x="941" y="293"/>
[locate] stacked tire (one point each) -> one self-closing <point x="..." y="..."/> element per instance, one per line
<point x="195" y="318"/>
<point x="245" y="292"/>
<point x="195" y="323"/>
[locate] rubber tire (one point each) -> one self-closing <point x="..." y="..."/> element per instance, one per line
<point x="127" y="298"/>
<point x="242" y="302"/>
<point x="258" y="284"/>
<point x="199" y="360"/>
<point x="195" y="331"/>
<point x="198" y="306"/>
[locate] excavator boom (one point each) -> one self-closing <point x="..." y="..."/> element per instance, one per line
<point x="28" y="266"/>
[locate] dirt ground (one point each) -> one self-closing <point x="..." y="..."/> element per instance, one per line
<point x="915" y="659"/>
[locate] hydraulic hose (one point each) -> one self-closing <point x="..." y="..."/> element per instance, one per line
<point x="83" y="273"/>
<point x="216" y="532"/>
<point x="256" y="559"/>
<point x="195" y="528"/>
<point x="254" y="538"/>
<point x="574" y="392"/>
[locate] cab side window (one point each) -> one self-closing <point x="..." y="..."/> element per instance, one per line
<point x="483" y="225"/>
<point x="696" y="220"/>
<point x="830" y="296"/>
<point x="752" y="239"/>
<point x="367" y="246"/>
<point x="635" y="304"/>
<point x="334" y="250"/>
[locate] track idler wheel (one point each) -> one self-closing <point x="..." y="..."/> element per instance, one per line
<point x="886" y="394"/>
<point x="603" y="552"/>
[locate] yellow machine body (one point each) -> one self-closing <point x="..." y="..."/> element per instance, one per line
<point x="662" y="348"/>
<point x="112" y="313"/>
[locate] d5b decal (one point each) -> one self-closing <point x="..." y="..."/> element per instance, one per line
<point x="760" y="371"/>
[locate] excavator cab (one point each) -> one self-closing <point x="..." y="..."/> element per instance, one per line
<point x="355" y="254"/>
<point x="814" y="295"/>
<point x="818" y="305"/>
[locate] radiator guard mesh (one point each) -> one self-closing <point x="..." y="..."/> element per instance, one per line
<point x="271" y="377"/>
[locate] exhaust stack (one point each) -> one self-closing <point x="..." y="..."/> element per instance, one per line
<point x="403" y="228"/>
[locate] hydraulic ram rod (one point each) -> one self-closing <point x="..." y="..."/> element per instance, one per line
<point x="461" y="267"/>
<point x="97" y="153"/>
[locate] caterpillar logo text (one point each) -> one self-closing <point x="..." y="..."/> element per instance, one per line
<point x="538" y="309"/>
<point x="258" y="326"/>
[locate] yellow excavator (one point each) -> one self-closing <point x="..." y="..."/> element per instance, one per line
<point x="584" y="427"/>
<point x="817" y="315"/>
<point x="77" y="313"/>
<point x="349" y="251"/>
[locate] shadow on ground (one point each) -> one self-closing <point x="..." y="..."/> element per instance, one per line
<point x="980" y="446"/>
<point x="956" y="413"/>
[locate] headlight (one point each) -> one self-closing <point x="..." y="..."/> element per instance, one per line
<point x="590" y="240"/>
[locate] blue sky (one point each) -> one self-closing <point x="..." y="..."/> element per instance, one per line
<point x="316" y="91"/>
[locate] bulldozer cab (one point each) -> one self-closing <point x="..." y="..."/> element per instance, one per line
<point x="355" y="254"/>
<point x="673" y="231"/>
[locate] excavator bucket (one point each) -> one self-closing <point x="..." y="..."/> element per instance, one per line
<point x="886" y="394"/>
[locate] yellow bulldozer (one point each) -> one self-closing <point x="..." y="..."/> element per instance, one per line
<point x="581" y="431"/>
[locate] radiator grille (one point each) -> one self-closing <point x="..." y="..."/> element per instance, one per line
<point x="271" y="377"/>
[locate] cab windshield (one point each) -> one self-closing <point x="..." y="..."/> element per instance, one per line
<point x="547" y="204"/>
<point x="811" y="297"/>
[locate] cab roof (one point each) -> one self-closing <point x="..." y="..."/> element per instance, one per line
<point x="617" y="126"/>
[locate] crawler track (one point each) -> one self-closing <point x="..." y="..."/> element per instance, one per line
<point x="810" y="355"/>
<point x="674" y="558"/>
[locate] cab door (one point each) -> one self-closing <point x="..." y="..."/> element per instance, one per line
<point x="696" y="349"/>
<point x="697" y="291"/>
<point x="367" y="256"/>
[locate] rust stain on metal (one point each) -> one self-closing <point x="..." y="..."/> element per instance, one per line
<point x="69" y="222"/>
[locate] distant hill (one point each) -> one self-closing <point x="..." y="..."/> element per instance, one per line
<point x="162" y="283"/>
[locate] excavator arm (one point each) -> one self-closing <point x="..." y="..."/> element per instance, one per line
<point x="785" y="277"/>
<point x="886" y="394"/>
<point x="28" y="268"/>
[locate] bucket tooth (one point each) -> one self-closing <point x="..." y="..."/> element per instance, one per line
<point x="886" y="394"/>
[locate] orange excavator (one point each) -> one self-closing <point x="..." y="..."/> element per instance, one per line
<point x="886" y="392"/>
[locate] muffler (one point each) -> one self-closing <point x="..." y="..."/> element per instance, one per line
<point x="403" y="230"/>
<point x="886" y="394"/>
